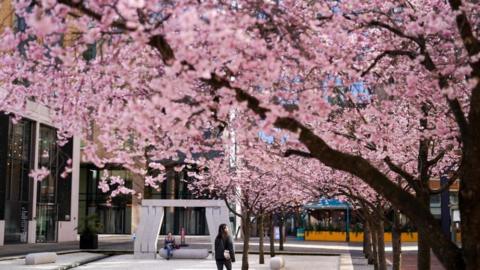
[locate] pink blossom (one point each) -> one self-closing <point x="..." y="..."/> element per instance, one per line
<point x="39" y="174"/>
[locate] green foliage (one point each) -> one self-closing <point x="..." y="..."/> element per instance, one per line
<point x="89" y="225"/>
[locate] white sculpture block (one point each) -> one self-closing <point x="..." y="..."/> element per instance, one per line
<point x="277" y="263"/>
<point x="186" y="253"/>
<point x="40" y="258"/>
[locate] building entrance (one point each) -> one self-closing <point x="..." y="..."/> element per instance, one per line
<point x="47" y="188"/>
<point x="18" y="184"/>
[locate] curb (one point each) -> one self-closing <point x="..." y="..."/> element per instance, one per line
<point x="82" y="262"/>
<point x="71" y="265"/>
<point x="18" y="257"/>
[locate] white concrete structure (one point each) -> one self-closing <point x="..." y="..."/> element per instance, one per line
<point x="2" y="229"/>
<point x="40" y="258"/>
<point x="186" y="253"/>
<point x="40" y="115"/>
<point x="277" y="263"/>
<point x="63" y="261"/>
<point x="151" y="217"/>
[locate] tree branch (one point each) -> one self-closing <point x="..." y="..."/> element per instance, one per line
<point x="460" y="118"/>
<point x="231" y="209"/>
<point x="393" y="53"/>
<point x="218" y="82"/>
<point x="434" y="161"/>
<point x="472" y="44"/>
<point x="295" y="152"/>
<point x="405" y="175"/>
<point x="394" y="30"/>
<point x="156" y="41"/>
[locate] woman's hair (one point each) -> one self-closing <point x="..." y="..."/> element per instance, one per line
<point x="221" y="231"/>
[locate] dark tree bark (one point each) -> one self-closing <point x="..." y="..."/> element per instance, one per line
<point x="382" y="260"/>
<point x="282" y="236"/>
<point x="396" y="241"/>
<point x="469" y="195"/>
<point x="246" y="239"/>
<point x="423" y="255"/>
<point x="422" y="192"/>
<point x="272" y="236"/>
<point x="374" y="245"/>
<point x="261" y="258"/>
<point x="367" y="240"/>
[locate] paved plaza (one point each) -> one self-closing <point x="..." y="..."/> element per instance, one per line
<point x="65" y="261"/>
<point x="126" y="262"/>
<point x="298" y="254"/>
<point x="93" y="261"/>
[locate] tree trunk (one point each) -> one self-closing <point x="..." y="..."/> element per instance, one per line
<point x="375" y="247"/>
<point x="374" y="234"/>
<point x="470" y="225"/>
<point x="469" y="195"/>
<point x="396" y="241"/>
<point x="261" y="257"/>
<point x="367" y="239"/>
<point x="246" y="240"/>
<point x="382" y="261"/>
<point x="423" y="254"/>
<point x="282" y="236"/>
<point x="272" y="236"/>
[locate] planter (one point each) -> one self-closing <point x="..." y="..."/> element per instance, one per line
<point x="354" y="236"/>
<point x="325" y="236"/>
<point x="88" y="241"/>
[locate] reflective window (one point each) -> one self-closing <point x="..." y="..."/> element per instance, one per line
<point x="46" y="189"/>
<point x="18" y="184"/>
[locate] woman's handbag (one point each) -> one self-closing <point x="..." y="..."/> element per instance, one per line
<point x="226" y="254"/>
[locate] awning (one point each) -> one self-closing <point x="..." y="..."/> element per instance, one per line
<point x="327" y="204"/>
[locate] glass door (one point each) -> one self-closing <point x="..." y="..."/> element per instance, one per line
<point x="18" y="183"/>
<point x="47" y="207"/>
<point x="46" y="223"/>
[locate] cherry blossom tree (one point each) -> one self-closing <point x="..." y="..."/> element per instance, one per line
<point x="260" y="183"/>
<point x="429" y="150"/>
<point x="155" y="76"/>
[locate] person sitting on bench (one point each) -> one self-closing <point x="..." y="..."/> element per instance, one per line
<point x="169" y="245"/>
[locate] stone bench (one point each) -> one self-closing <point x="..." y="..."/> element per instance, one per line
<point x="277" y="263"/>
<point x="186" y="253"/>
<point x="40" y="258"/>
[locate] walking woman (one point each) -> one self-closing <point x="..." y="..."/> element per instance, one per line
<point x="224" y="254"/>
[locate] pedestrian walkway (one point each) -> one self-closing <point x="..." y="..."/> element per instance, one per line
<point x="347" y="262"/>
<point x="124" y="243"/>
<point x="126" y="262"/>
<point x="65" y="261"/>
<point x="409" y="261"/>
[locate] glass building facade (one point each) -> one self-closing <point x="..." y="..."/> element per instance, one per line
<point x="16" y="186"/>
<point x="116" y="214"/>
<point x="19" y="206"/>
